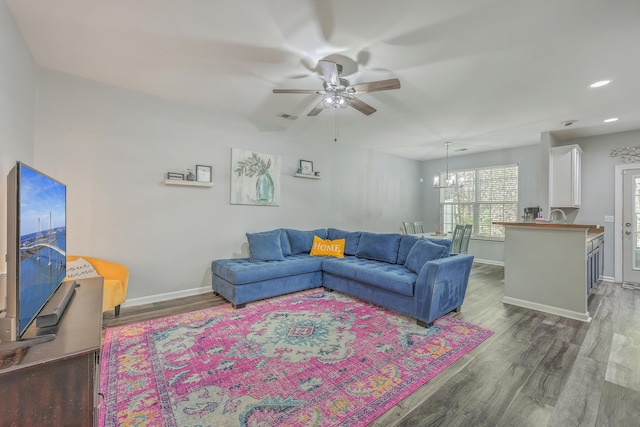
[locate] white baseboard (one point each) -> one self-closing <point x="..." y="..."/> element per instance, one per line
<point x="167" y="296"/>
<point x="488" y="261"/>
<point x="583" y="317"/>
<point x="607" y="279"/>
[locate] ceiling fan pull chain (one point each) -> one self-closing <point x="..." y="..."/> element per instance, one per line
<point x="336" y="121"/>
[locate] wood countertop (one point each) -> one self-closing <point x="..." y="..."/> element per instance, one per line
<point x="591" y="229"/>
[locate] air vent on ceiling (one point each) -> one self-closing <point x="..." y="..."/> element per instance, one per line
<point x="287" y="116"/>
<point x="461" y="149"/>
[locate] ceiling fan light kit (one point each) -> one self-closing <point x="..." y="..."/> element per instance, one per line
<point x="335" y="101"/>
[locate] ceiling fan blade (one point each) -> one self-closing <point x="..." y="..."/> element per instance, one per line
<point x="361" y="106"/>
<point x="317" y="109"/>
<point x="330" y="72"/>
<point x="377" y="86"/>
<point x="297" y="91"/>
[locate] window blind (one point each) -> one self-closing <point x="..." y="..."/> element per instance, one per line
<point x="488" y="194"/>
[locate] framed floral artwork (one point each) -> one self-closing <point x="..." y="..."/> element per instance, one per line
<point x="255" y="178"/>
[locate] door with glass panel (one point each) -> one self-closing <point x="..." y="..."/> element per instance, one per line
<point x="631" y="228"/>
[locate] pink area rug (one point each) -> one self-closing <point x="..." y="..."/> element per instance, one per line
<point x="314" y="358"/>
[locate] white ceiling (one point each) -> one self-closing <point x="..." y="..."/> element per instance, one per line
<point x="485" y="74"/>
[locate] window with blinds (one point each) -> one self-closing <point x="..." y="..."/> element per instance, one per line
<point x="488" y="194"/>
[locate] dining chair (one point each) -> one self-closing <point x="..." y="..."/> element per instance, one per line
<point x="466" y="236"/>
<point x="418" y="227"/>
<point x="456" y="239"/>
<point x="408" y="228"/>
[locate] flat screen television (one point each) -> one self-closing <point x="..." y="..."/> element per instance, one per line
<point x="36" y="246"/>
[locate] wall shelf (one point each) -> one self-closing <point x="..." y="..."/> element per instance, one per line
<point x="187" y="183"/>
<point x="301" y="175"/>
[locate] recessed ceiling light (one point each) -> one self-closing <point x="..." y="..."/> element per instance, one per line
<point x="601" y="83"/>
<point x="612" y="119"/>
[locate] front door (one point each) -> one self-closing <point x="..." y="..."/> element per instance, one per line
<point x="631" y="228"/>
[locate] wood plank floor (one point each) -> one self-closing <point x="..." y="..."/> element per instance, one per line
<point x="536" y="370"/>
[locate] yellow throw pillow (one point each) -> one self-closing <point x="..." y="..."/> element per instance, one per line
<point x="321" y="247"/>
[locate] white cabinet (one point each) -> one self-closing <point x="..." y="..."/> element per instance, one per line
<point x="565" y="176"/>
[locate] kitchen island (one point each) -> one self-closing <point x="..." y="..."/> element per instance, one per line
<point x="547" y="266"/>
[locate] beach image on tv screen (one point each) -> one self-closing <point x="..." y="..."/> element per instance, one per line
<point x="42" y="241"/>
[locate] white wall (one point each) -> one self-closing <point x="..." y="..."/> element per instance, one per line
<point x="17" y="107"/>
<point x="598" y="174"/>
<point x="528" y="162"/>
<point x="113" y="147"/>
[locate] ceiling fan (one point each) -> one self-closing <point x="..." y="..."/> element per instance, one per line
<point x="339" y="93"/>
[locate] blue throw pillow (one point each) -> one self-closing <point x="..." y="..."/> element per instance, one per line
<point x="444" y="242"/>
<point x="265" y="246"/>
<point x="406" y="243"/>
<point x="422" y="252"/>
<point x="379" y="247"/>
<point x="302" y="241"/>
<point x="351" y="239"/>
<point x="284" y="242"/>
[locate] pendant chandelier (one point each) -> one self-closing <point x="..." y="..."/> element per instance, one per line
<point x="450" y="180"/>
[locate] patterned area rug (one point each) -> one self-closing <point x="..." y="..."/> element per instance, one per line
<point x="314" y="358"/>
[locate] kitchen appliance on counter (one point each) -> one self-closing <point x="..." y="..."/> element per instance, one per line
<point x="530" y="214"/>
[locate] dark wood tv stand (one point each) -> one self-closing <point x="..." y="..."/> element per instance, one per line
<point x="55" y="383"/>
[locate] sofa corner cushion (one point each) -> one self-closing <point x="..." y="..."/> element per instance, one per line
<point x="379" y="247"/>
<point x="351" y="239"/>
<point x="422" y="252"/>
<point x="265" y="246"/>
<point x="301" y="241"/>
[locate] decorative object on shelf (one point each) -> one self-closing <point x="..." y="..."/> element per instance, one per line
<point x="450" y="181"/>
<point x="203" y="173"/>
<point x="175" y="176"/>
<point x="317" y="174"/>
<point x="255" y="178"/>
<point x="306" y="167"/>
<point x="628" y="154"/>
<point x="190" y="175"/>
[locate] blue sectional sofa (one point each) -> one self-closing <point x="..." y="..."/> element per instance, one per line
<point x="414" y="276"/>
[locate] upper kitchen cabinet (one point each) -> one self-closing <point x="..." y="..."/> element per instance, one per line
<point x="565" y="176"/>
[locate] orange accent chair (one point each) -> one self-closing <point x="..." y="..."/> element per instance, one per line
<point x="116" y="281"/>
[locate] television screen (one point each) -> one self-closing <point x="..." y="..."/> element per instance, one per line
<point x="42" y="241"/>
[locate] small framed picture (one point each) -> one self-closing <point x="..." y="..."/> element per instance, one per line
<point x="306" y="167"/>
<point x="203" y="173"/>
<point x="175" y="175"/>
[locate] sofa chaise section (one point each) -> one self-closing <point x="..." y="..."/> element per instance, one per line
<point x="241" y="281"/>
